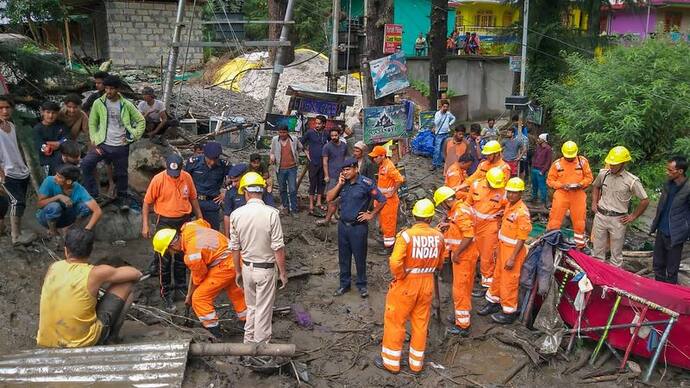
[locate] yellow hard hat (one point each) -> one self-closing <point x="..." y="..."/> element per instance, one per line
<point x="492" y="147"/>
<point x="569" y="149"/>
<point x="423" y="208"/>
<point x="162" y="240"/>
<point x="618" y="155"/>
<point x="250" y="179"/>
<point x="515" y="184"/>
<point x="496" y="178"/>
<point x="443" y="193"/>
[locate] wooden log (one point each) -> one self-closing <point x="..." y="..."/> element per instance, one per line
<point x="233" y="349"/>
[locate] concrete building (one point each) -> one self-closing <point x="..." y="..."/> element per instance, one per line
<point x="646" y="18"/>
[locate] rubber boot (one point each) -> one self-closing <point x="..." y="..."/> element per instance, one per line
<point x="18" y="237"/>
<point x="167" y="290"/>
<point x="179" y="276"/>
<point x="489" y="308"/>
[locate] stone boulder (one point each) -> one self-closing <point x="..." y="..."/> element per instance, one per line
<point x="146" y="159"/>
<point x="118" y="225"/>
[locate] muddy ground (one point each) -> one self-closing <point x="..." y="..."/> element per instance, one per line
<point x="346" y="333"/>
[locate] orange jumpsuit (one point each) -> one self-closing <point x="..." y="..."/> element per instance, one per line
<point x="455" y="179"/>
<point x="486" y="203"/>
<point x="562" y="173"/>
<point x="484" y="167"/>
<point x="461" y="219"/>
<point x="515" y="226"/>
<point x="388" y="178"/>
<point x="416" y="256"/>
<point x="208" y="257"/>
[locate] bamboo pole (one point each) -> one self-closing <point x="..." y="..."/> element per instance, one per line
<point x="605" y="334"/>
<point x="633" y="338"/>
<point x="68" y="43"/>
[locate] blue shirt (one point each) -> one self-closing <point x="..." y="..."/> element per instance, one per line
<point x="665" y="217"/>
<point x="336" y="154"/>
<point x="233" y="200"/>
<point x="356" y="197"/>
<point x="50" y="189"/>
<point x="315" y="141"/>
<point x="207" y="181"/>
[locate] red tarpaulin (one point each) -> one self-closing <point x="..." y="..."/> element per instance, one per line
<point x="673" y="297"/>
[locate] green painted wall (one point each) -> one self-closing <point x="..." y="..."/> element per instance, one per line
<point x="412" y="14"/>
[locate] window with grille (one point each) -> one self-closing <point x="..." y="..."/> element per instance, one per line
<point x="672" y="21"/>
<point x="485" y="19"/>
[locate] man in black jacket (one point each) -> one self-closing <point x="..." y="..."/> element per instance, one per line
<point x="671" y="223"/>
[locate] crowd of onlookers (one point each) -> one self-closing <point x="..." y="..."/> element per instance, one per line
<point x="456" y="44"/>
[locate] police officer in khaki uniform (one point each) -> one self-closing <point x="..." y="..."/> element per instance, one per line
<point x="612" y="191"/>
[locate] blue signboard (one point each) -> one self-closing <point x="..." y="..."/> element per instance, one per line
<point x="389" y="74"/>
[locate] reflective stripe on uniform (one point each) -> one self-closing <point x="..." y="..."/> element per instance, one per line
<point x="421" y="270"/>
<point x="452" y="241"/>
<point x="405" y="236"/>
<point x="483" y="216"/>
<point x="390" y="352"/>
<point x="386" y="190"/>
<point x="509" y="310"/>
<point x="208" y="317"/>
<point x="194" y="256"/>
<point x="416" y="353"/>
<point x="388" y="361"/>
<point x="416" y="363"/>
<point x="491" y="298"/>
<point x="506" y="239"/>
<point x="242" y="314"/>
<point x="388" y="241"/>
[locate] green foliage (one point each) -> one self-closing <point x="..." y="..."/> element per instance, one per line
<point x="420" y="86"/>
<point x="634" y="96"/>
<point x="21" y="11"/>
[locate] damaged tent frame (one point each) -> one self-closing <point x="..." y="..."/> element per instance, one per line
<point x="634" y="298"/>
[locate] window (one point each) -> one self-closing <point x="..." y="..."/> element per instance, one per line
<point x="485" y="19"/>
<point x="672" y="21"/>
<point x="458" y="19"/>
<point x="507" y="18"/>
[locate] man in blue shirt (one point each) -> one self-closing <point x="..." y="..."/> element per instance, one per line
<point x="355" y="193"/>
<point x="233" y="200"/>
<point x="443" y="122"/>
<point x="50" y="134"/>
<point x="62" y="201"/>
<point x="314" y="140"/>
<point x="334" y="153"/>
<point x="208" y="173"/>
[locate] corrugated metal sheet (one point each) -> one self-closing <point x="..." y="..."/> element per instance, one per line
<point x="156" y="364"/>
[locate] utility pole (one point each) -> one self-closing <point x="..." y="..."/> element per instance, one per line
<point x="333" y="63"/>
<point x="172" y="56"/>
<point x="367" y="86"/>
<point x="278" y="62"/>
<point x="523" y="62"/>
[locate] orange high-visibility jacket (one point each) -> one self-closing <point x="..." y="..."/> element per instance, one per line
<point x="455" y="179"/>
<point x="485" y="200"/>
<point x="418" y="250"/>
<point x="516" y="224"/>
<point x="563" y="172"/>
<point x="484" y="167"/>
<point x="461" y="219"/>
<point x="388" y="177"/>
<point x="204" y="248"/>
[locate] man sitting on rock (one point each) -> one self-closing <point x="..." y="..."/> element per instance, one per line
<point x="62" y="201"/>
<point x="72" y="314"/>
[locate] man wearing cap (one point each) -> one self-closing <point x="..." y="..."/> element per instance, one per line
<point x="612" y="191"/>
<point x="493" y="152"/>
<point x="154" y="113"/>
<point x="388" y="182"/>
<point x="173" y="197"/>
<point x="366" y="167"/>
<point x="233" y="200"/>
<point x="355" y="193"/>
<point x="114" y="123"/>
<point x="208" y="172"/>
<point x="541" y="162"/>
<point x="256" y="241"/>
<point x="285" y="149"/>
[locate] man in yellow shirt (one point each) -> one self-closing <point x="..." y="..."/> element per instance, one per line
<point x="72" y="315"/>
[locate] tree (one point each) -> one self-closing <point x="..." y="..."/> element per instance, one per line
<point x="378" y="13"/>
<point x="437" y="47"/>
<point x="32" y="11"/>
<point x="632" y="96"/>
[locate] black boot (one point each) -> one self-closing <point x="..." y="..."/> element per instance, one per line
<point x="489" y="308"/>
<point x="378" y="362"/>
<point x="503" y="318"/>
<point x="166" y="287"/>
<point x="456" y="330"/>
<point x="179" y="272"/>
<point x="215" y="331"/>
<point x="480" y="292"/>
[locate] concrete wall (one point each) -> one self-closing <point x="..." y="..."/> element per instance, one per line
<point x="632" y="22"/>
<point x="485" y="81"/>
<point x="140" y="32"/>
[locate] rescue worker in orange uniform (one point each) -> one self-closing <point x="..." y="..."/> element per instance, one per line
<point x="456" y="175"/>
<point x="417" y="254"/>
<point x="458" y="232"/>
<point x="388" y="182"/>
<point x="494" y="158"/>
<point x="570" y="176"/>
<point x="209" y="259"/>
<point x="487" y="199"/>
<point x="515" y="228"/>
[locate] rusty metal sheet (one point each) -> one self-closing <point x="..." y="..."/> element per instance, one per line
<point x="155" y="364"/>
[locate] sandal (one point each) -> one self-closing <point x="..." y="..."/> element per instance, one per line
<point x="323" y="208"/>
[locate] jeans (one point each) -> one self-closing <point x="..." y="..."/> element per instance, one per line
<point x="352" y="241"/>
<point x="666" y="259"/>
<point x="539" y="185"/>
<point x="62" y="215"/>
<point x="118" y="155"/>
<point x="437" y="160"/>
<point x="287" y="181"/>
